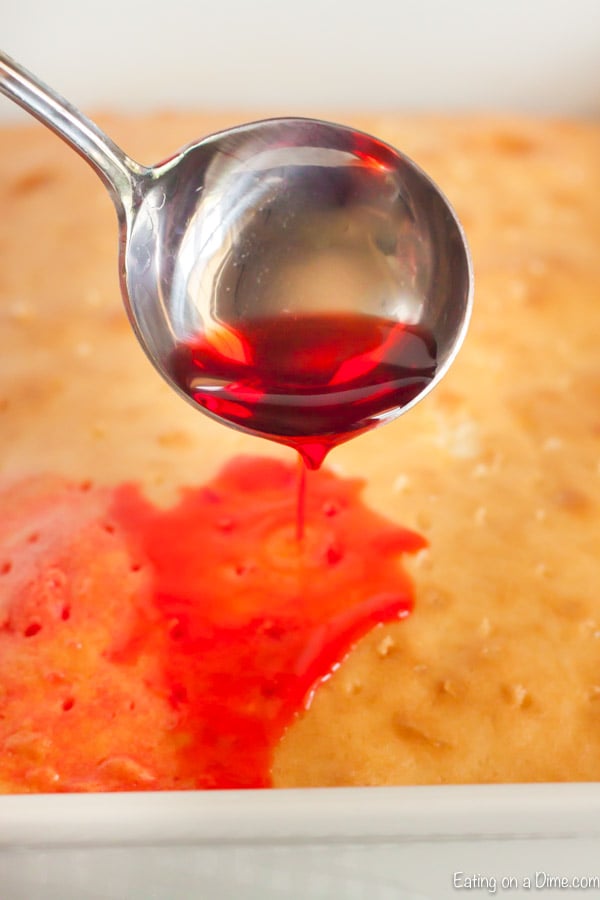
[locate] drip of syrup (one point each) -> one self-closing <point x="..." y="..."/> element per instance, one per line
<point x="301" y="499"/>
<point x="311" y="381"/>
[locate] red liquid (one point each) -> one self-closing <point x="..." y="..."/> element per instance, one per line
<point x="310" y="381"/>
<point x="148" y="648"/>
<point x="301" y="499"/>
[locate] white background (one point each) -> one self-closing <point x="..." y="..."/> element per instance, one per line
<point x="308" y="55"/>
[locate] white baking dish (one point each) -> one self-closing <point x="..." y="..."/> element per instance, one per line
<point x="404" y="843"/>
<point x="298" y="57"/>
<point x="374" y="843"/>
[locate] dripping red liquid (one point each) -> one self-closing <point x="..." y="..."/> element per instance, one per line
<point x="300" y="499"/>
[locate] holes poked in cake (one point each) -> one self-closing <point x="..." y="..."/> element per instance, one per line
<point x="33" y="609"/>
<point x="436" y="597"/>
<point x="517" y="696"/>
<point x="42" y="778"/>
<point x="126" y="770"/>
<point x="416" y="735"/>
<point x="177" y="629"/>
<point x="513" y="143"/>
<point x="244" y="569"/>
<point x="178" y="695"/>
<point x="225" y="524"/>
<point x="572" y="501"/>
<point x="33" y="180"/>
<point x="28" y="744"/>
<point x="175" y="439"/>
<point x="334" y="554"/>
<point x="451" y="689"/>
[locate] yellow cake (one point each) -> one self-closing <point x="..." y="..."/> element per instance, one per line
<point x="495" y="675"/>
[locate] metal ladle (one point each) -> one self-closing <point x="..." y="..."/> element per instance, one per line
<point x="284" y="217"/>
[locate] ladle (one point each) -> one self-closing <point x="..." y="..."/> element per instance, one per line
<point x="267" y="269"/>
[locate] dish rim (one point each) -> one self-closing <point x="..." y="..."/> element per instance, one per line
<point x="324" y="815"/>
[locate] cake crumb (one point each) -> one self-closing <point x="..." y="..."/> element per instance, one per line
<point x="385" y="645"/>
<point x="353" y="687"/>
<point x="401" y="483"/>
<point x="517" y="695"/>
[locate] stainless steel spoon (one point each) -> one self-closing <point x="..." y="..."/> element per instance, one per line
<point x="288" y="218"/>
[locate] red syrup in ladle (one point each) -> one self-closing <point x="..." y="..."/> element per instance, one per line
<point x="311" y="381"/>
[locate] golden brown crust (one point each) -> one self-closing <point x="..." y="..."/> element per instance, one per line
<point x="496" y="675"/>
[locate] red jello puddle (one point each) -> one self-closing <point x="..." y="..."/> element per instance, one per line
<point x="158" y="648"/>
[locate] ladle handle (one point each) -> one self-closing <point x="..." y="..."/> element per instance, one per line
<point x="117" y="171"/>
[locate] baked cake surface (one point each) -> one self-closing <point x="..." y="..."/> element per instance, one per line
<point x="495" y="675"/>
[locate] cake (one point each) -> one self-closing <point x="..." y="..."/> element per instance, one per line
<point x="490" y="488"/>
